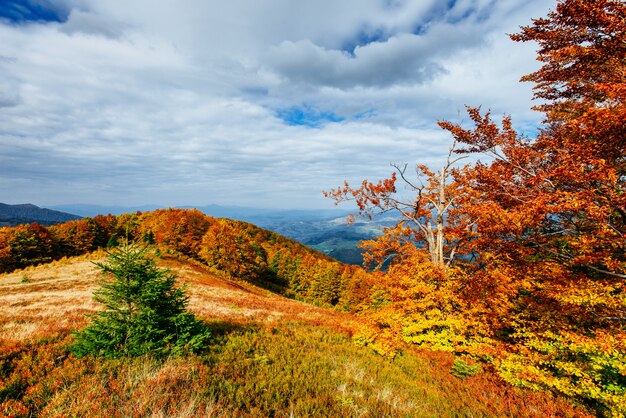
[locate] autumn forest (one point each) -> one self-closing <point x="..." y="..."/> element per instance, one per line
<point x="508" y="266"/>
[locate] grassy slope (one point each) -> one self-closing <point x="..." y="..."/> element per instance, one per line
<point x="271" y="356"/>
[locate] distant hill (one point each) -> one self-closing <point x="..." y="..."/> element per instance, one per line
<point x="333" y="236"/>
<point x="12" y="215"/>
<point x="86" y="210"/>
<point x="325" y="230"/>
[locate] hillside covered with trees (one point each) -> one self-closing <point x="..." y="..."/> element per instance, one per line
<point x="232" y="248"/>
<point x="255" y="353"/>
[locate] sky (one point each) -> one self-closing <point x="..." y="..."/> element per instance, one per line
<point x="244" y="102"/>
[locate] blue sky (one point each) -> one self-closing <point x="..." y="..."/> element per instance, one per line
<point x="250" y="103"/>
<point x="308" y="116"/>
<point x="22" y="11"/>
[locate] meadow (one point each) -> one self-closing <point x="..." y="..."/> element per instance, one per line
<point x="269" y="356"/>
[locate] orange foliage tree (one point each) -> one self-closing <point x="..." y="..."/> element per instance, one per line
<point x="420" y="301"/>
<point x="230" y="249"/>
<point x="31" y="244"/>
<point x="553" y="209"/>
<point x="428" y="216"/>
<point x="6" y="261"/>
<point x="179" y="229"/>
<point x="75" y="237"/>
<point x="106" y="230"/>
<point x="543" y="225"/>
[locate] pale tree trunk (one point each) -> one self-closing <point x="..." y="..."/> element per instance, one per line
<point x="440" y="202"/>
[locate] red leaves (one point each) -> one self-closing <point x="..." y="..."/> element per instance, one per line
<point x="582" y="45"/>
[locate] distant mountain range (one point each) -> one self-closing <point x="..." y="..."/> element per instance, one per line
<point x="241" y="213"/>
<point x="12" y="215"/>
<point x="325" y="230"/>
<point x="332" y="236"/>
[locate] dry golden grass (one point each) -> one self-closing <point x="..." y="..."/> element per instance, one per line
<point x="214" y="297"/>
<point x="56" y="296"/>
<point x="39" y="300"/>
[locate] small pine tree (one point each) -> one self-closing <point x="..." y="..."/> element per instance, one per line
<point x="144" y="313"/>
<point x="112" y="242"/>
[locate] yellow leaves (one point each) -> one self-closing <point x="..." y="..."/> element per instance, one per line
<point x="592" y="293"/>
<point x="435" y="330"/>
<point x="577" y="365"/>
<point x="379" y="333"/>
<point x="424" y="309"/>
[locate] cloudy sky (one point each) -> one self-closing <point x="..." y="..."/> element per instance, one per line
<point x="243" y="102"/>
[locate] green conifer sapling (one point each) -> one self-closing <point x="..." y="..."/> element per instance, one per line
<point x="144" y="313"/>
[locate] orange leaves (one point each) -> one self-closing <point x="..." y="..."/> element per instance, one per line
<point x="30" y="245"/>
<point x="6" y="261"/>
<point x="550" y="214"/>
<point x="430" y="221"/>
<point x="396" y="243"/>
<point x="233" y="251"/>
<point x="76" y="237"/>
<point x="369" y="196"/>
<point x="180" y="229"/>
<point x="582" y="45"/>
<point x="485" y="137"/>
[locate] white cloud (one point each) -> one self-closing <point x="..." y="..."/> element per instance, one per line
<point x="133" y="102"/>
<point x="401" y="59"/>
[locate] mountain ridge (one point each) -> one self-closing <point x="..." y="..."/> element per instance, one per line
<point x="325" y="230"/>
<point x="13" y="215"/>
<point x="241" y="213"/>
